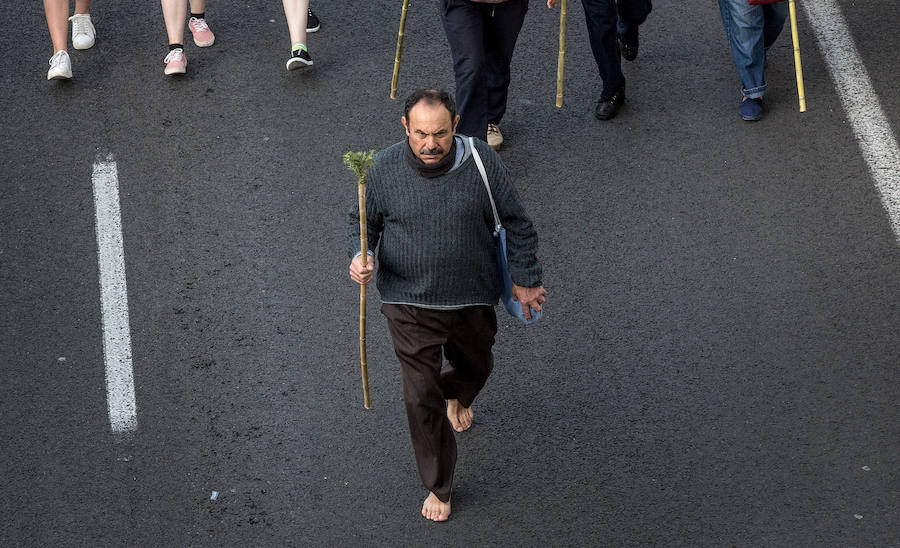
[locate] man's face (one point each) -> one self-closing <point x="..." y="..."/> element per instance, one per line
<point x="430" y="131"/>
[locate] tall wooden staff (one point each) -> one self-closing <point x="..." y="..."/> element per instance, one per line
<point x="359" y="163"/>
<point x="399" y="50"/>
<point x="562" y="55"/>
<point x="797" y="66"/>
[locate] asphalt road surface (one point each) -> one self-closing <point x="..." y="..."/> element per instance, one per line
<point x="718" y="360"/>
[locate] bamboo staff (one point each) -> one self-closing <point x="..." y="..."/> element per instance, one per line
<point x="359" y="163"/>
<point x="562" y="55"/>
<point x="399" y="50"/>
<point x="797" y="65"/>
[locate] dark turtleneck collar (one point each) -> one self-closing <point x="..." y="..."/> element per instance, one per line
<point x="444" y="165"/>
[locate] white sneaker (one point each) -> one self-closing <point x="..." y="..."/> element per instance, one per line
<point x="83" y="32"/>
<point x="495" y="138"/>
<point x="60" y="66"/>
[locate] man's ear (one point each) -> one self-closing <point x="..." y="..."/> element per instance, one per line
<point x="406" y="124"/>
<point x="455" y="123"/>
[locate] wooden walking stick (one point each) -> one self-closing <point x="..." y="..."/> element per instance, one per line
<point x="399" y="50"/>
<point x="562" y="55"/>
<point x="797" y="65"/>
<point x="359" y="163"/>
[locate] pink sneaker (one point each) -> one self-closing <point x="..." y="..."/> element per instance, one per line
<point x="203" y="37"/>
<point x="176" y="62"/>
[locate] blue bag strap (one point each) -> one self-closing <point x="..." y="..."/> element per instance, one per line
<point x="487" y="185"/>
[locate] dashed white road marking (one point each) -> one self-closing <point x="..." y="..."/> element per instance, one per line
<point x="871" y="126"/>
<point x="114" y="298"/>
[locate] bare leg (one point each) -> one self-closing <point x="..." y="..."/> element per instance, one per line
<point x="82" y="6"/>
<point x="57" y="13"/>
<point x="174" y="13"/>
<point x="460" y="417"/>
<point x="434" y="509"/>
<point x="198" y="6"/>
<point x="296" y="13"/>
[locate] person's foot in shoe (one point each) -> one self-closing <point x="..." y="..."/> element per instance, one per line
<point x="176" y="62"/>
<point x="628" y="43"/>
<point x="751" y="110"/>
<point x="312" y="22"/>
<point x="299" y="58"/>
<point x="60" y="66"/>
<point x="494" y="137"/>
<point x="203" y="37"/>
<point x="607" y="107"/>
<point x="83" y="31"/>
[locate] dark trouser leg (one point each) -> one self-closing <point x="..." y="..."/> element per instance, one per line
<point x="601" y="23"/>
<point x="468" y="351"/>
<point x="774" y="16"/>
<point x="634" y="12"/>
<point x="464" y="27"/>
<point x="418" y="335"/>
<point x="501" y="32"/>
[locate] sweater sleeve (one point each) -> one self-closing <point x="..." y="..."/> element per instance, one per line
<point x="521" y="238"/>
<point x="374" y="222"/>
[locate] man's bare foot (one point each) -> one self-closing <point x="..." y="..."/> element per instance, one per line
<point x="434" y="509"/>
<point x="460" y="417"/>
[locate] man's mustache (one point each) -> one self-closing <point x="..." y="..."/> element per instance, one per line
<point x="431" y="151"/>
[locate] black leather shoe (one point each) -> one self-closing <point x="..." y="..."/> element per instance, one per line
<point x="628" y="45"/>
<point x="608" y="107"/>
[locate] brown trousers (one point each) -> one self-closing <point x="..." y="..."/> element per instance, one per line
<point x="419" y="334"/>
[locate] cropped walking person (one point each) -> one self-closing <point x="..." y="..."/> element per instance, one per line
<point x="173" y="14"/>
<point x="83" y="34"/>
<point x="299" y="17"/>
<point x="482" y="36"/>
<point x="751" y="30"/>
<point x="613" y="30"/>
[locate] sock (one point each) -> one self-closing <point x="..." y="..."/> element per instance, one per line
<point x="298" y="46"/>
<point x="173" y="47"/>
<point x="198" y="15"/>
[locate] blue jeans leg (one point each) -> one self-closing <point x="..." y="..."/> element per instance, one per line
<point x="744" y="26"/>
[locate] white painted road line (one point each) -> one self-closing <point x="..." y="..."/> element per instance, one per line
<point x="876" y="139"/>
<point x="114" y="298"/>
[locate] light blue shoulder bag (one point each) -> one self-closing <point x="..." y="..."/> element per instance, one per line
<point x="506" y="297"/>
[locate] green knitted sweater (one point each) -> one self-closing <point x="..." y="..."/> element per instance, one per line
<point x="434" y="236"/>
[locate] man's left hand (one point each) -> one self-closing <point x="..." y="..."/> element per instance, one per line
<point x="529" y="297"/>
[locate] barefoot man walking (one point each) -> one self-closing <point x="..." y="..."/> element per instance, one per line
<point x="430" y="219"/>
